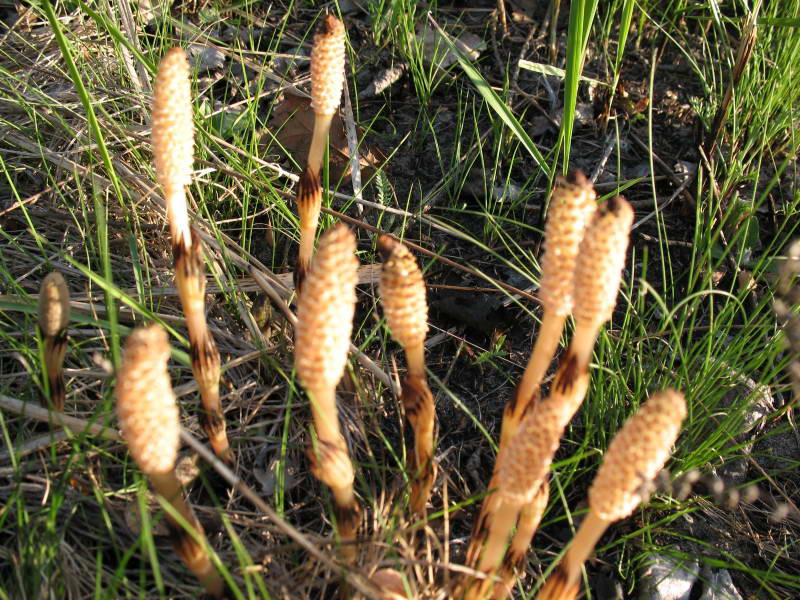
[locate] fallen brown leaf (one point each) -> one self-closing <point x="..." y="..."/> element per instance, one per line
<point x="290" y="129"/>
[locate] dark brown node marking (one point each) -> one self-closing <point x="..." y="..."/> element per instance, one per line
<point x="426" y="473"/>
<point x="184" y="544"/>
<point x="347" y="517"/>
<point x="204" y="353"/>
<point x="189" y="261"/>
<point x="212" y="423"/>
<point x="567" y="374"/>
<point x="512" y="404"/>
<point x="322" y="449"/>
<point x="179" y="251"/>
<point x="308" y="190"/>
<point x="299" y="275"/>
<point x="510" y="560"/>
<point x="60" y="340"/>
<point x="411" y="402"/>
<point x="614" y="205"/>
<point x="58" y="392"/>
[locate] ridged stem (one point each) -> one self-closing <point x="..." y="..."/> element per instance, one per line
<point x="54" y="309"/>
<point x="309" y="196"/>
<point x="529" y="518"/>
<point x="522" y="468"/>
<point x="503" y="521"/>
<point x="55" y="349"/>
<point x="191" y="283"/>
<point x="527" y="391"/>
<point x="420" y="412"/>
<point x="189" y="547"/>
<point x="332" y="466"/>
<point x="319" y="138"/>
<point x="564" y="583"/>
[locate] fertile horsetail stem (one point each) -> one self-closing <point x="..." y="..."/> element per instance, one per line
<point x="529" y="518"/>
<point x="149" y="421"/>
<point x="173" y="152"/>
<point x="522" y="469"/>
<point x="173" y="139"/>
<point x="53" y="320"/>
<point x="325" y="312"/>
<point x="634" y="457"/>
<point x="572" y="205"/>
<point x="402" y="291"/>
<point x="598" y="272"/>
<point x="327" y="79"/>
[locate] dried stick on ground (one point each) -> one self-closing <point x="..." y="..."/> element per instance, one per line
<point x="327" y="79"/>
<point x="636" y="454"/>
<point x="53" y="321"/>
<point x="402" y="292"/>
<point x="149" y="420"/>
<point x="173" y="153"/>
<point x="571" y="208"/>
<point x="325" y="312"/>
<point x="597" y="276"/>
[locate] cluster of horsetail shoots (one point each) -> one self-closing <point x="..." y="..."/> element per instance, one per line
<point x="173" y="154"/>
<point x="523" y="468"/>
<point x="327" y="80"/>
<point x="598" y="273"/>
<point x="149" y="421"/>
<point x="53" y="320"/>
<point x="523" y="464"/>
<point x="325" y="312"/>
<point x="636" y="454"/>
<point x="572" y="205"/>
<point x="402" y="291"/>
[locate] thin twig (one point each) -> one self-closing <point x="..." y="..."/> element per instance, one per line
<point x="74" y="424"/>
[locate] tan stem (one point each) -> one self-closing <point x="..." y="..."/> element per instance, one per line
<point x="309" y="204"/>
<point x="583" y="340"/>
<point x="501" y="523"/>
<point x="525" y="394"/>
<point x="421" y="414"/>
<point x="190" y="281"/>
<point x="528" y="388"/>
<point x="330" y="462"/>
<point x="529" y="518"/>
<point x="178" y="216"/>
<point x="557" y="588"/>
<point x="309" y="196"/>
<point x="348" y="517"/>
<point x="325" y="415"/>
<point x="582" y="547"/>
<point x="187" y="545"/>
<point x="415" y="357"/>
<point x="316" y="150"/>
<point x="55" y="348"/>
